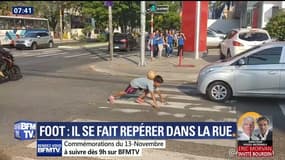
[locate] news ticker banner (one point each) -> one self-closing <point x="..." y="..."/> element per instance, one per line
<point x="91" y="148"/>
<point x="136" y="130"/>
<point x="85" y="139"/>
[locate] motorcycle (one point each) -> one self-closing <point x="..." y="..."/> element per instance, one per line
<point x="11" y="71"/>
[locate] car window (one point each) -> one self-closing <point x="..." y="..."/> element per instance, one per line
<point x="231" y="34"/>
<point x="253" y="36"/>
<point x="43" y="34"/>
<point x="32" y="35"/>
<point x="119" y="36"/>
<point x="266" y="56"/>
<point x="210" y="34"/>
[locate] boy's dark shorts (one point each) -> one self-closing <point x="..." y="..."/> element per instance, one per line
<point x="131" y="90"/>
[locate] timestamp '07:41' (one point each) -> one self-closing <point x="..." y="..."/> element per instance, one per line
<point x="22" y="10"/>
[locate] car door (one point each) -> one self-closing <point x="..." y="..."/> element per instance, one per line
<point x="40" y="40"/>
<point x="227" y="42"/>
<point x="45" y="38"/>
<point x="261" y="73"/>
<point x="212" y="39"/>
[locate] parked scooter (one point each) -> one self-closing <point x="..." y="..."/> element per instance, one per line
<point x="8" y="70"/>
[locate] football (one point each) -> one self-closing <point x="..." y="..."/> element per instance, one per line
<point x="151" y="74"/>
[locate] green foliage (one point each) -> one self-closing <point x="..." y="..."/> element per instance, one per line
<point x="87" y="29"/>
<point x="82" y="37"/>
<point x="98" y="11"/>
<point x="170" y="20"/>
<point x="124" y="13"/>
<point x="275" y="26"/>
<point x="101" y="38"/>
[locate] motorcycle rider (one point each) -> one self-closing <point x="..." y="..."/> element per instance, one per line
<point x="3" y="63"/>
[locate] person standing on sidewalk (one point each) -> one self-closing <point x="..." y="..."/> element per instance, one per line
<point x="169" y="40"/>
<point x="151" y="45"/>
<point x="160" y="43"/>
<point x="155" y="45"/>
<point x="180" y="41"/>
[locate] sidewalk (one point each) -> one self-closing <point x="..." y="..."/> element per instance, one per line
<point x="77" y="44"/>
<point x="167" y="67"/>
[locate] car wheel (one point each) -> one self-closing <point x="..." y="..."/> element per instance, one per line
<point x="50" y="44"/>
<point x="34" y="46"/>
<point x="219" y="92"/>
<point x="229" y="54"/>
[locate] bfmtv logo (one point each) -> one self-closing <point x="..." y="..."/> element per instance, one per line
<point x="25" y="130"/>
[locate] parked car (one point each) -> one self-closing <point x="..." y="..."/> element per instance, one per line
<point x="124" y="41"/>
<point x="239" y="40"/>
<point x="35" y="40"/>
<point x="218" y="33"/>
<point x="213" y="39"/>
<point x="259" y="71"/>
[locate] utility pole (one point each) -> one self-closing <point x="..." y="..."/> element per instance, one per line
<point x="60" y="22"/>
<point x="110" y="32"/>
<point x="197" y="35"/>
<point x="142" y="57"/>
<point x="151" y="23"/>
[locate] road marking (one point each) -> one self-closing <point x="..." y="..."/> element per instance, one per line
<point x="176" y="105"/>
<point x="183" y="90"/>
<point x="30" y="54"/>
<point x="48" y="55"/>
<point x="282" y="107"/>
<point x="103" y="107"/>
<point x="163" y="114"/>
<point x="179" y="115"/>
<point x="205" y="109"/>
<point x="78" y="55"/>
<point x="183" y="97"/>
<point x="128" y="110"/>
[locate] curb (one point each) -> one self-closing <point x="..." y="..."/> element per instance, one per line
<point x="190" y="78"/>
<point x="82" y="46"/>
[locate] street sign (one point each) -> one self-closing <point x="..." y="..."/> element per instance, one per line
<point x="162" y="9"/>
<point x="108" y="3"/>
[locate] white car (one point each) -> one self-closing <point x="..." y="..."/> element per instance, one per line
<point x="34" y="40"/>
<point x="213" y="39"/>
<point x="239" y="40"/>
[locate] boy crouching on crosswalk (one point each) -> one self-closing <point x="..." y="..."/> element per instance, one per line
<point x="143" y="83"/>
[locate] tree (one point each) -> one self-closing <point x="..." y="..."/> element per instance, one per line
<point x="98" y="11"/>
<point x="275" y="26"/>
<point x="170" y="20"/>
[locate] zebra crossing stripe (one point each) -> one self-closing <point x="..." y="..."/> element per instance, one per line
<point x="183" y="97"/>
<point x="176" y="105"/>
<point x="184" y="90"/>
<point x="48" y="55"/>
<point x="77" y="55"/>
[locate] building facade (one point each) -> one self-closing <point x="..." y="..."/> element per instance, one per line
<point x="256" y="14"/>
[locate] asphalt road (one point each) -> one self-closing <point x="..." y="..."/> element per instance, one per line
<point x="58" y="86"/>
